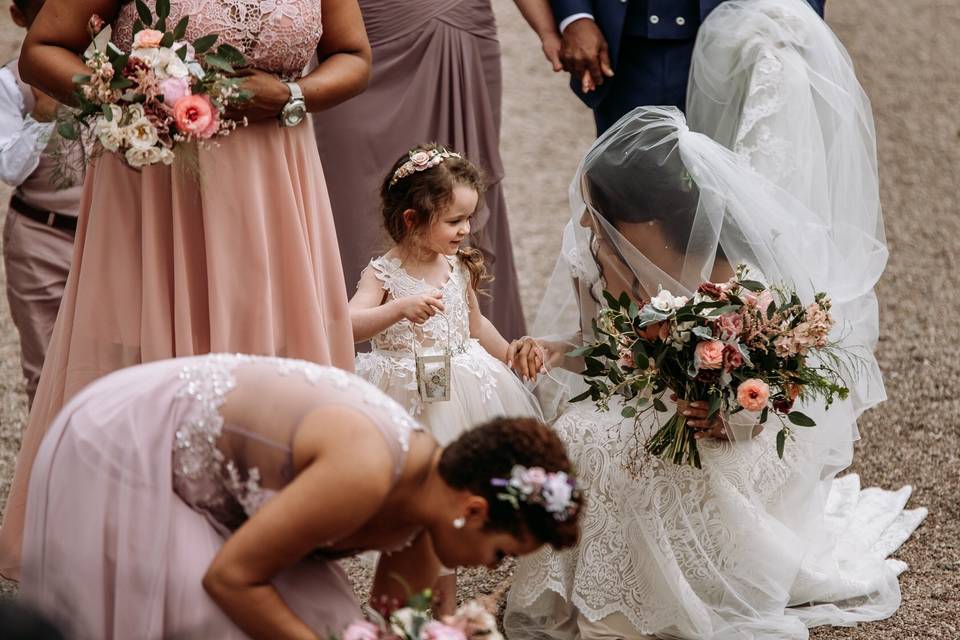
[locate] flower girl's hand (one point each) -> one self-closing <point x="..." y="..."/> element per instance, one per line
<point x="420" y="308"/>
<point x="527" y="357"/>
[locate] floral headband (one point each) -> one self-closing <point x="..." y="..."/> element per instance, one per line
<point x="556" y="492"/>
<point x="421" y="160"/>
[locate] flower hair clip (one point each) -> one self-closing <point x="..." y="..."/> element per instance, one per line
<point x="421" y="160"/>
<point x="556" y="492"/>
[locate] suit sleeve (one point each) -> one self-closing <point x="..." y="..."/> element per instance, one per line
<point x="563" y="9"/>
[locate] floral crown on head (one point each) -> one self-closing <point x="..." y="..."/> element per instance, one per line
<point x="421" y="160"/>
<point x="556" y="492"/>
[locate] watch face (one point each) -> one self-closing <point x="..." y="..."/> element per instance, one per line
<point x="293" y="114"/>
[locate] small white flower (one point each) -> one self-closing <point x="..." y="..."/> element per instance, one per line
<point x="166" y="156"/>
<point x="142" y="157"/>
<point x="109" y="132"/>
<point x="141" y="134"/>
<point x="666" y="302"/>
<point x="403" y="621"/>
<point x="557" y="492"/>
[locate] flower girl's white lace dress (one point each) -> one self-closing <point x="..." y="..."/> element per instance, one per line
<point x="481" y="387"/>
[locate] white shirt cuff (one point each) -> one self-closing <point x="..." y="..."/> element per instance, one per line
<point x="571" y="19"/>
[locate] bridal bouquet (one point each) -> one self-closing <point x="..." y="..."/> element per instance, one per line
<point x="472" y="621"/>
<point x="164" y="92"/>
<point x="738" y="345"/>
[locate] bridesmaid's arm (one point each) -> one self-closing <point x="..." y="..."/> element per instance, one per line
<point x="331" y="497"/>
<point x="51" y="54"/>
<point x="344" y="57"/>
<point x="539" y="16"/>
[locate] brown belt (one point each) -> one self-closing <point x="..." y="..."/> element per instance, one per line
<point x="50" y="218"/>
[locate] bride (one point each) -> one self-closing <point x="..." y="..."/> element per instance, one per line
<point x="751" y="545"/>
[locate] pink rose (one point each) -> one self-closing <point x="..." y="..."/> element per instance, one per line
<point x="732" y="358"/>
<point x="708" y="355"/>
<point x="361" y="630"/>
<point x="173" y="89"/>
<point x="730" y="325"/>
<point x="420" y="158"/>
<point x="147" y="39"/>
<point x="536" y="475"/>
<point x="196" y="116"/>
<point x="95" y="25"/>
<point x="438" y="631"/>
<point x="753" y="394"/>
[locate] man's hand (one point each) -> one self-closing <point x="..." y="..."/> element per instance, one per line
<point x="44" y="107"/>
<point x="585" y="55"/>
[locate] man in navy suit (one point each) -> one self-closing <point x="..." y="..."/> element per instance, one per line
<point x="623" y="54"/>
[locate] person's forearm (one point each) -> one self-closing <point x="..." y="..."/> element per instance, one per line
<point x="369" y="322"/>
<point x="51" y="69"/>
<point x="491" y="340"/>
<point x="258" y="610"/>
<point x="539" y="16"/>
<point x="336" y="79"/>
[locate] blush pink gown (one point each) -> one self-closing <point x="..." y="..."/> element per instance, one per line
<point x="146" y="472"/>
<point x="241" y="256"/>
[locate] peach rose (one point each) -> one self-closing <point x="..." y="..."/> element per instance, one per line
<point x="147" y="39"/>
<point x="708" y="355"/>
<point x="196" y="116"/>
<point x="753" y="394"/>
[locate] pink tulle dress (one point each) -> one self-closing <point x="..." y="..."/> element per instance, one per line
<point x="141" y="478"/>
<point x="240" y="256"/>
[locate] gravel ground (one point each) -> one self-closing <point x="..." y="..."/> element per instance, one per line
<point x="906" y="55"/>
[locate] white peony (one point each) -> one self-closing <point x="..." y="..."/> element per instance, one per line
<point x="109" y="132"/>
<point x="164" y="62"/>
<point x="557" y="492"/>
<point x="141" y="134"/>
<point x="666" y="302"/>
<point x="142" y="157"/>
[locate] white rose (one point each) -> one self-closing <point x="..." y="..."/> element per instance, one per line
<point x="135" y="112"/>
<point x="666" y="302"/>
<point x="150" y="56"/>
<point x="141" y="134"/>
<point x="141" y="157"/>
<point x="175" y="67"/>
<point x="109" y="132"/>
<point x="166" y="155"/>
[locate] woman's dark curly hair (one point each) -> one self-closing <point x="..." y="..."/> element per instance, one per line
<point x="490" y="451"/>
<point x="428" y="194"/>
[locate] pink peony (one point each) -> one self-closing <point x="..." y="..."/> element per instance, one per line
<point x="732" y="358"/>
<point x="753" y="394"/>
<point x="708" y="355"/>
<point x="730" y="325"/>
<point x="361" y="630"/>
<point x="173" y="89"/>
<point x="196" y="116"/>
<point x="438" y="631"/>
<point x="147" y="39"/>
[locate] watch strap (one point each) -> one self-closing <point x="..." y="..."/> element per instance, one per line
<point x="296" y="93"/>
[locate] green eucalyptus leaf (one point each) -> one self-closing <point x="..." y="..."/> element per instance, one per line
<point x="181" y="29"/>
<point x="161" y="24"/>
<point x="781" y="442"/>
<point x="137" y="26"/>
<point x="764" y="414"/>
<point x="230" y="54"/>
<point x="166" y="40"/>
<point x="801" y="419"/>
<point x="214" y="60"/>
<point x="120" y="83"/>
<point x="81" y="79"/>
<point x="107" y="112"/>
<point x="628" y="412"/>
<point x="143" y="11"/>
<point x="182" y="54"/>
<point x="612" y="302"/>
<point x="714" y="406"/>
<point x="163" y="8"/>
<point x="752" y="285"/>
<point x="658" y="405"/>
<point x="202" y="45"/>
<point x="581" y="396"/>
<point x="67" y="130"/>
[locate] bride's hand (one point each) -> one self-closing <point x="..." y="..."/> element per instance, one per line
<point x="269" y="95"/>
<point x="527" y="357"/>
<point x="696" y="414"/>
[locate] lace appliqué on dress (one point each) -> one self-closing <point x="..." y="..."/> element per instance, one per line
<point x="279" y="36"/>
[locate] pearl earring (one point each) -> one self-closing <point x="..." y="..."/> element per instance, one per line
<point x="459" y="523"/>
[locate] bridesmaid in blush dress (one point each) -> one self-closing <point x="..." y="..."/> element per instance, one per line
<point x="436" y="77"/>
<point x="240" y="255"/>
<point x="210" y="497"/>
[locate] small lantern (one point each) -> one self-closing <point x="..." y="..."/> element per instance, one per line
<point x="434" y="373"/>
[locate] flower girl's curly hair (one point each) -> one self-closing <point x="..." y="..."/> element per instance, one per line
<point x="491" y="451"/>
<point x="428" y="192"/>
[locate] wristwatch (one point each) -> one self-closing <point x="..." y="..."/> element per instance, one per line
<point x="295" y="110"/>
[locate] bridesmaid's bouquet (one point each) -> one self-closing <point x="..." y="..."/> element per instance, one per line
<point x="147" y="102"/>
<point x="748" y="350"/>
<point x="472" y="621"/>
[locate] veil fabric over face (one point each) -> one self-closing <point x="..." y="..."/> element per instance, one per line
<point x="772" y="82"/>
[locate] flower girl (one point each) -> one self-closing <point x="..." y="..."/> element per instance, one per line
<point x="432" y="349"/>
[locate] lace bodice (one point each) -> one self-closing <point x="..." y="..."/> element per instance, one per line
<point x="432" y="335"/>
<point x="278" y="36"/>
<point x="232" y="454"/>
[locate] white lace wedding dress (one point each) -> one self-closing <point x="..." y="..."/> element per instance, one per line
<point x="481" y="387"/>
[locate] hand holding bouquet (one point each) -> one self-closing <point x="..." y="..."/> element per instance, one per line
<point x="739" y="346"/>
<point x="164" y="92"/>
